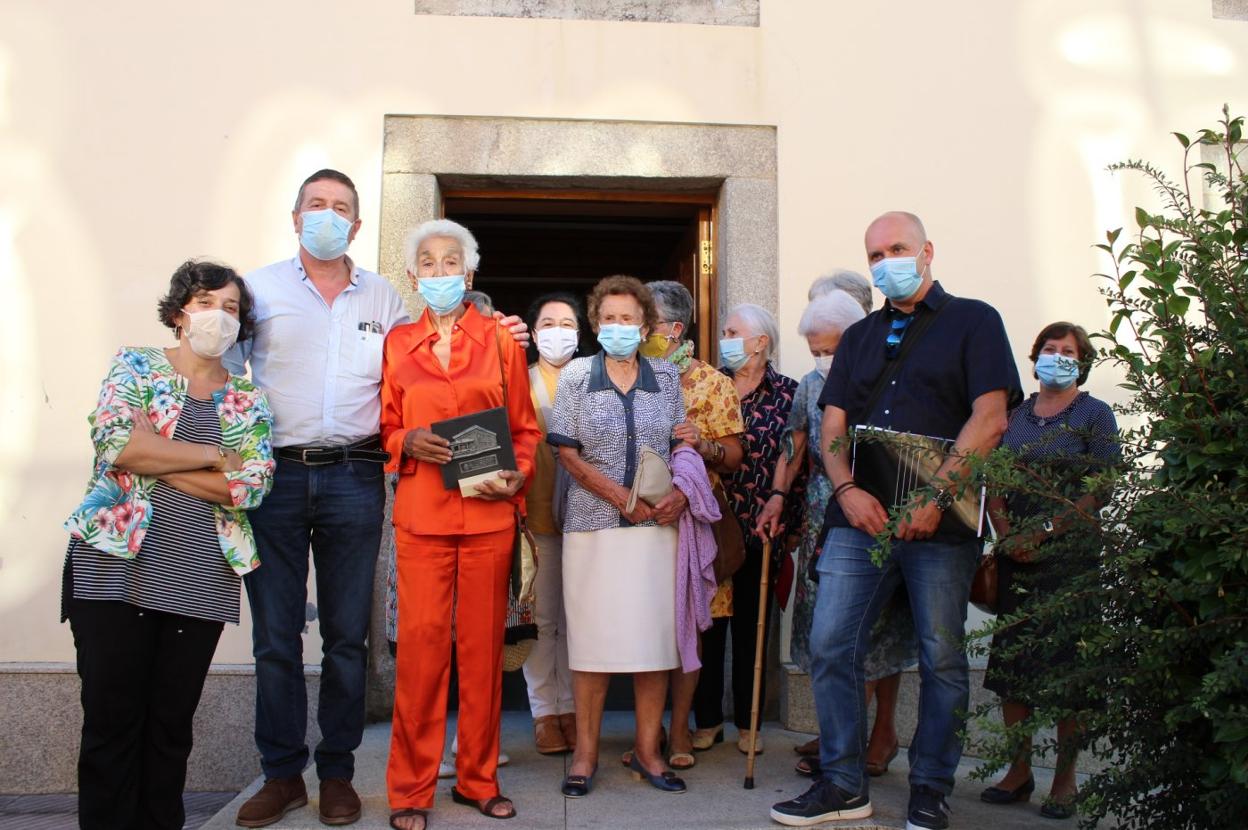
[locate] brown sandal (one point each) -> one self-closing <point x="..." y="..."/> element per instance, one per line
<point x="410" y="812"/>
<point x="487" y="808"/>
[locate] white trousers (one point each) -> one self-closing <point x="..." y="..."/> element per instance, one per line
<point x="546" y="670"/>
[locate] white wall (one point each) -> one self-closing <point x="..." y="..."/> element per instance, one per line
<point x="134" y="135"/>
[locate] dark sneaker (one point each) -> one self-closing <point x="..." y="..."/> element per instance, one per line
<point x="824" y="801"/>
<point x="928" y="809"/>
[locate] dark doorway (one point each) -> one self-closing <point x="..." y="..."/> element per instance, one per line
<point x="534" y="242"/>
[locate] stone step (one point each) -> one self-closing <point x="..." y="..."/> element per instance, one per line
<point x="716" y="799"/>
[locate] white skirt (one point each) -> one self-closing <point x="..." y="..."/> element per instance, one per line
<point x="619" y="593"/>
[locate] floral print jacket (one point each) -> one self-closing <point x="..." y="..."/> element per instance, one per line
<point x="116" y="512"/>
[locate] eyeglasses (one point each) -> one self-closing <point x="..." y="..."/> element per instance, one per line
<point x="897" y="329"/>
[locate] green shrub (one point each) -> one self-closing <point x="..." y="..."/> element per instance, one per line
<point x="1159" y="679"/>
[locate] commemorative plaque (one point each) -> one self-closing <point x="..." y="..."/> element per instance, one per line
<point x="480" y="449"/>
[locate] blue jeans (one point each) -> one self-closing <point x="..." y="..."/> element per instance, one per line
<point x="337" y="509"/>
<point x="852" y="591"/>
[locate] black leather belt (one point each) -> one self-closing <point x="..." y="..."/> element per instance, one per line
<point x="368" y="449"/>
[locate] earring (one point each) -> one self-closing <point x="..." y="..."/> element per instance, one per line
<point x="177" y="333"/>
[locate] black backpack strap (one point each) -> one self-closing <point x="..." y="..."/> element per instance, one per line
<point x="915" y="332"/>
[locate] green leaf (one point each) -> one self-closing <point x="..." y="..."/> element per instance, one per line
<point x="1182" y="139"/>
<point x="1142" y="218"/>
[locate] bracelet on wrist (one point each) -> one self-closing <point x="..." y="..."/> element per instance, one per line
<point x="784" y="494"/>
<point x="842" y="487"/>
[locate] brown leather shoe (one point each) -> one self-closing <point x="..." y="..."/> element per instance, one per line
<point x="548" y="736"/>
<point x="567" y="725"/>
<point x="275" y="799"/>
<point x="339" y="804"/>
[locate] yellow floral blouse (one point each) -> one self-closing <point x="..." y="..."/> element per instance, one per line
<point x="712" y="405"/>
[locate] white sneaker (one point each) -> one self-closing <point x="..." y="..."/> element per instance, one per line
<point x="446" y="770"/>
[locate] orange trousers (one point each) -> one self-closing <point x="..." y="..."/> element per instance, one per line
<point x="441" y="578"/>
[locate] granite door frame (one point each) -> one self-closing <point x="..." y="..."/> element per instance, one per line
<point x="424" y="155"/>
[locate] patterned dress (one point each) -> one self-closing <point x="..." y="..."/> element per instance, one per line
<point x="712" y="405"/>
<point x="893" y="646"/>
<point x="1080" y="440"/>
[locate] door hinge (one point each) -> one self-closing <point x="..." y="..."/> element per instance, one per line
<point x="706" y="260"/>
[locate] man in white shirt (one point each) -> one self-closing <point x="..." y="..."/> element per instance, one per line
<point x="320" y="323"/>
<point x="316" y="351"/>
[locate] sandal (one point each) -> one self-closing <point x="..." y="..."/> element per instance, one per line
<point x="410" y="812"/>
<point x="486" y="808"/>
<point x="681" y="760"/>
<point x="807" y="766"/>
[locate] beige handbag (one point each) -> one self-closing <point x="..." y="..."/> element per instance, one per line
<point x="652" y="481"/>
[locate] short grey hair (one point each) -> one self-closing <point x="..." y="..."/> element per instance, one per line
<point x="674" y="302"/>
<point x="828" y="313"/>
<point x="441" y="227"/>
<point x="760" y="321"/>
<point x="842" y="279"/>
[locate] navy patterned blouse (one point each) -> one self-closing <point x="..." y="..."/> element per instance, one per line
<point x="1073" y="443"/>
<point x="766" y="415"/>
<point x="609" y="428"/>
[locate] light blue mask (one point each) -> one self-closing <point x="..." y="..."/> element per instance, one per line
<point x="442" y="294"/>
<point x="1057" y="371"/>
<point x="618" y="340"/>
<point x="325" y="234"/>
<point x="897" y="277"/>
<point x="732" y="352"/>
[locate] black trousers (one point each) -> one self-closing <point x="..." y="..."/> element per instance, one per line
<point x="142" y="674"/>
<point x="708" y="699"/>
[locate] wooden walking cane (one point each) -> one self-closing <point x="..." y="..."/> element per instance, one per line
<point x="763" y="596"/>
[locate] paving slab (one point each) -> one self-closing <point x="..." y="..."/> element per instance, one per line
<point x="716" y="799"/>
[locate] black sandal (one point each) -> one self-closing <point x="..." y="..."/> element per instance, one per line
<point x="486" y="809"/>
<point x="410" y="812"/>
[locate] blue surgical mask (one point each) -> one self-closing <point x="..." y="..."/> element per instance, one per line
<point x="325" y="234"/>
<point x="897" y="277"/>
<point x="732" y="352"/>
<point x="442" y="294"/>
<point x="618" y="340"/>
<point x="1057" y="371"/>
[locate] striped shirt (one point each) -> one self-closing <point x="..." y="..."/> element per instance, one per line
<point x="179" y="569"/>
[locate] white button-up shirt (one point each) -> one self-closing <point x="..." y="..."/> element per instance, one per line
<point x="320" y="365"/>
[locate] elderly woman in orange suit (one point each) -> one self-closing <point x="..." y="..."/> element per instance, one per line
<point x="453" y="552"/>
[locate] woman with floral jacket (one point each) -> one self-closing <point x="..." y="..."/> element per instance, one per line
<point x="158" y="546"/>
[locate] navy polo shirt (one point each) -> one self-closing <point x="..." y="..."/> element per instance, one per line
<point x="963" y="354"/>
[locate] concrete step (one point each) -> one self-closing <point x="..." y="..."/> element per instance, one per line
<point x="716" y="799"/>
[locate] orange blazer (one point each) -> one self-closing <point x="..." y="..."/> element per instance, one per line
<point x="416" y="391"/>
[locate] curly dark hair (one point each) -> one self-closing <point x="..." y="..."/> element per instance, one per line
<point x="623" y="286"/>
<point x="1056" y="331"/>
<point x="195" y="277"/>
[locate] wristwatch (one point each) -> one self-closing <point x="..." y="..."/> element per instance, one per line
<point x="944" y="499"/>
<point x="221" y="452"/>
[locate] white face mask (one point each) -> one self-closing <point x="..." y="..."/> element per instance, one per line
<point x="211" y="332"/>
<point x="557" y="344"/>
<point x="823" y="363"/>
